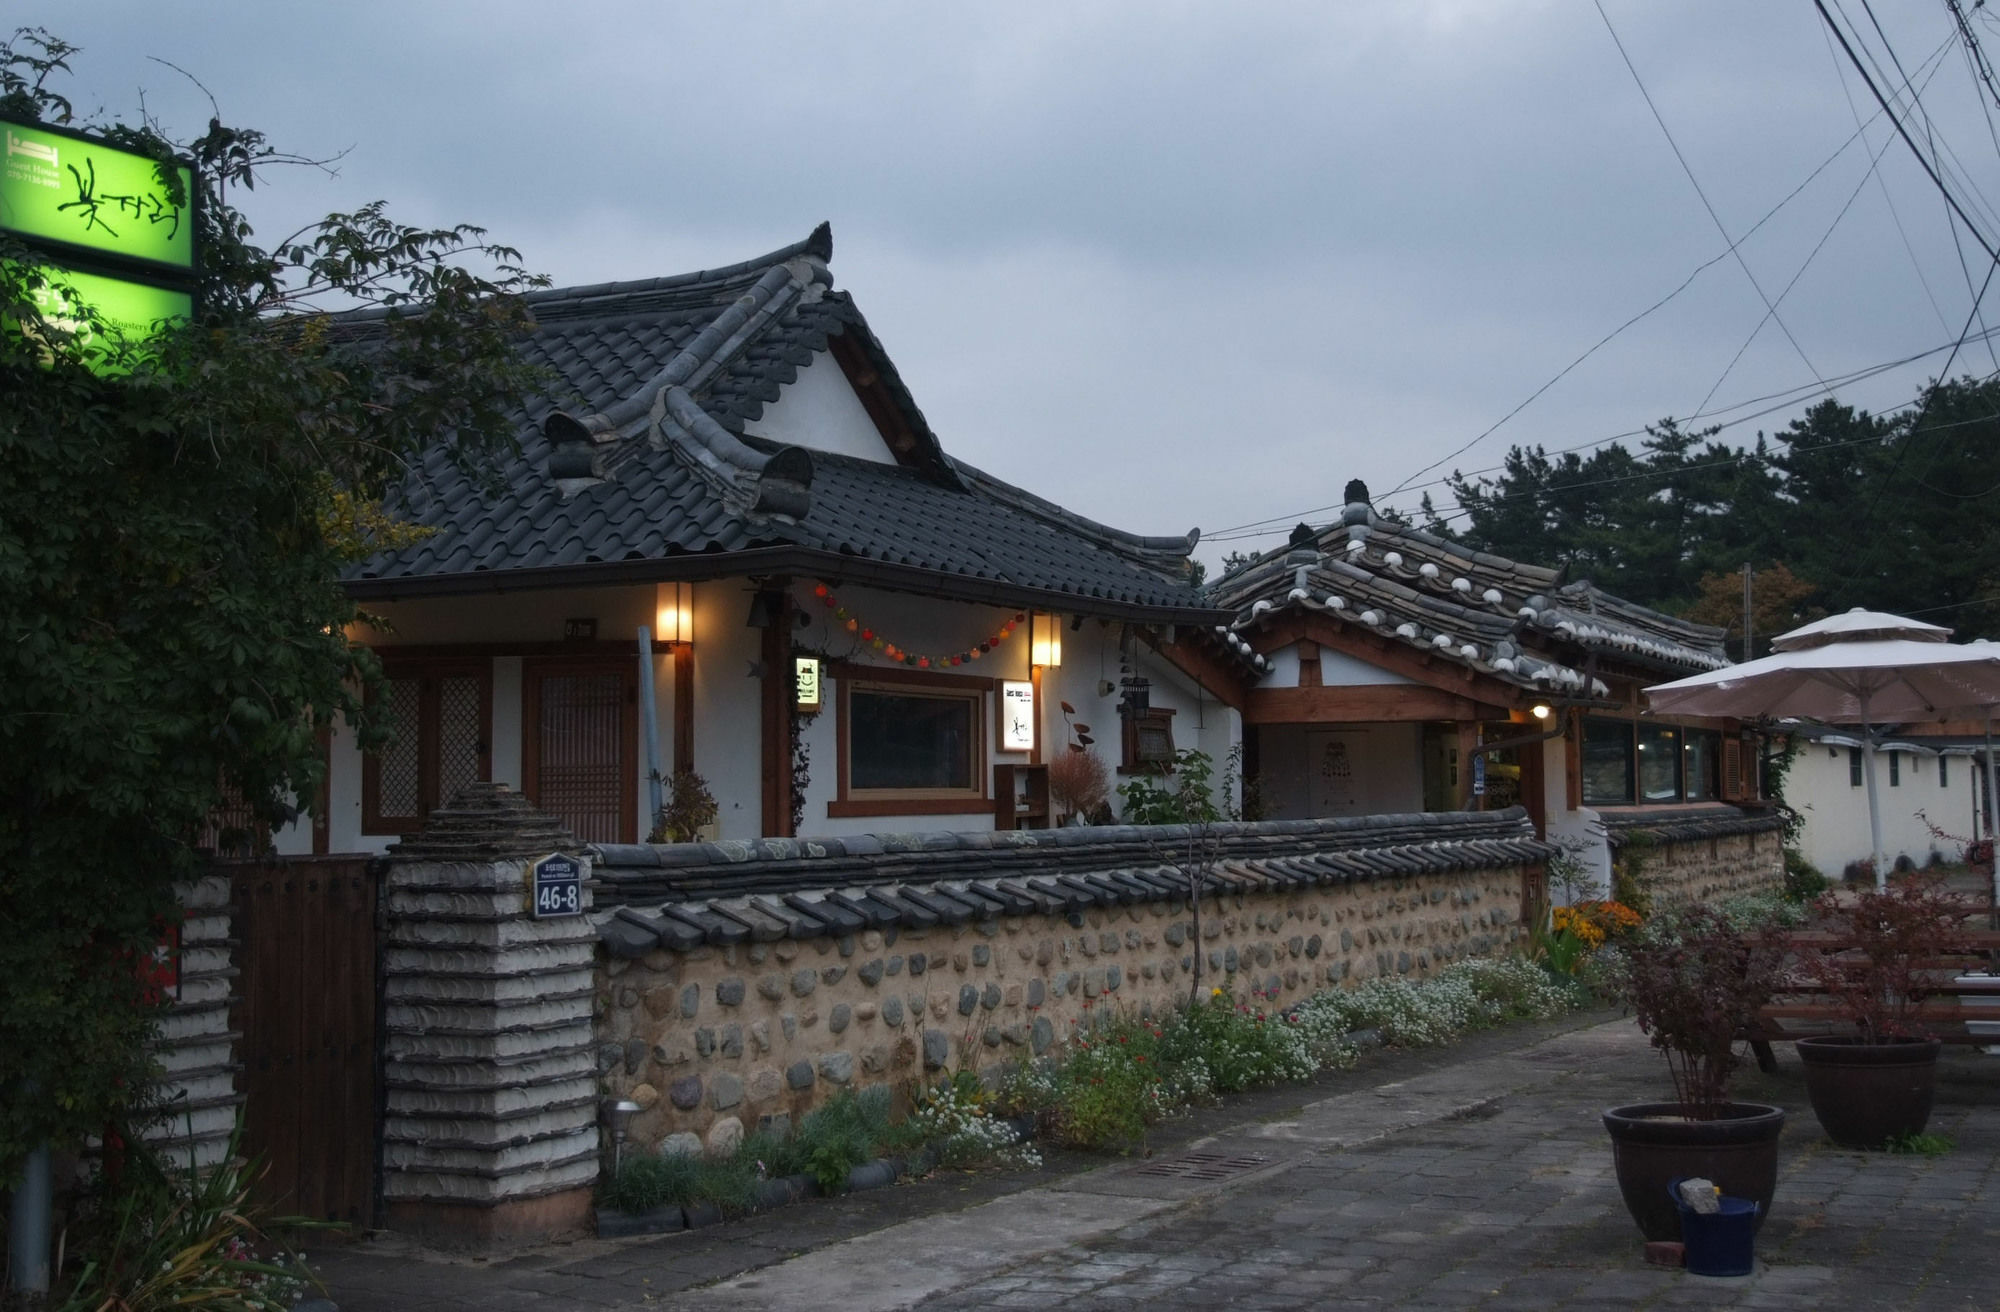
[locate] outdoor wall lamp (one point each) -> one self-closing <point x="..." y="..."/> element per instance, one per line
<point x="1044" y="639"/>
<point x="1540" y="710"/>
<point x="673" y="612"/>
<point x="618" y="1114"/>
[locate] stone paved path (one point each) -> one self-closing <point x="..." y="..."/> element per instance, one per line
<point x="1477" y="1182"/>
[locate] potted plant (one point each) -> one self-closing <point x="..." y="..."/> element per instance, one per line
<point x="1878" y="964"/>
<point x="1695" y="981"/>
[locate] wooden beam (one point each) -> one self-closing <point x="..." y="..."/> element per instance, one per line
<point x="1367" y="703"/>
<point x="1387" y="653"/>
<point x="683" y="707"/>
<point x="1221" y="682"/>
<point x="777" y="689"/>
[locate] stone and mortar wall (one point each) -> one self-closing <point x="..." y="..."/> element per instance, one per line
<point x="713" y="1040"/>
<point x="1707" y="869"/>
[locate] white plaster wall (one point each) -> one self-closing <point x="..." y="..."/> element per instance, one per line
<point x="1338" y="669"/>
<point x="1836" y="813"/>
<point x="728" y="712"/>
<point x="819" y="409"/>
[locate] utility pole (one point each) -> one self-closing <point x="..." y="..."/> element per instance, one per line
<point x="1749" y="590"/>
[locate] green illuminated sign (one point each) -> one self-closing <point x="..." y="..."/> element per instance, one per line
<point x="135" y="311"/>
<point x="61" y="188"/>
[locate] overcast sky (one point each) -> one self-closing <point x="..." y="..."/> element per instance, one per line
<point x="1171" y="264"/>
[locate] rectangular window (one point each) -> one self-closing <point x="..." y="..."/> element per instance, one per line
<point x="1607" y="762"/>
<point x="1944" y="770"/>
<point x="1854" y="763"/>
<point x="1895" y="769"/>
<point x="1149" y="739"/>
<point x="439" y="715"/>
<point x="1659" y="763"/>
<point x="903" y="740"/>
<point x="1699" y="757"/>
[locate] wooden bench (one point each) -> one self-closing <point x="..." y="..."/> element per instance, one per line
<point x="1968" y="974"/>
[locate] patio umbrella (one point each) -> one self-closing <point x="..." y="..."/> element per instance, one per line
<point x="1864" y="667"/>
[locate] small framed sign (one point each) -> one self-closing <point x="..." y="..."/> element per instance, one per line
<point x="555" y="887"/>
<point x="806" y="674"/>
<point x="1479" y="776"/>
<point x="1017" y="716"/>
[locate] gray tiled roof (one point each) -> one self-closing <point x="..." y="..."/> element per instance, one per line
<point x="1684" y="824"/>
<point x="1518" y="623"/>
<point x="686" y="894"/>
<point x="658" y="380"/>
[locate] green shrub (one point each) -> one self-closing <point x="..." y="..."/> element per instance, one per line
<point x="646" y="1182"/>
<point x="159" y="1237"/>
<point x="1240" y="1044"/>
<point x="1803" y="880"/>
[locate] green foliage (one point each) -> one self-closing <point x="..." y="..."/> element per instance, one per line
<point x="648" y="1181"/>
<point x="1832" y="496"/>
<point x="157" y="1236"/>
<point x="175" y="629"/>
<point x="1803" y="880"/>
<point x="689" y="806"/>
<point x="1629" y="884"/>
<point x="1916" y="1143"/>
<point x="846" y="1131"/>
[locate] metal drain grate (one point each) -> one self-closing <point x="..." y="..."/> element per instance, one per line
<point x="1202" y="1166"/>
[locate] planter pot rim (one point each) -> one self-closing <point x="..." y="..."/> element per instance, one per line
<point x="1668" y="1123"/>
<point x="1850" y="1050"/>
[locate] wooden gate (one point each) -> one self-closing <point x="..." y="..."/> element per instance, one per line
<point x="306" y="1007"/>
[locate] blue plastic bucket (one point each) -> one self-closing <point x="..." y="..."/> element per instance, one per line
<point x="1721" y="1243"/>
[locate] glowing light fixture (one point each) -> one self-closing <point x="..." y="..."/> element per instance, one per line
<point x="673" y="606"/>
<point x="1540" y="710"/>
<point x="1044" y="640"/>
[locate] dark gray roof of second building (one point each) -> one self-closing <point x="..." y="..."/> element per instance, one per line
<point x="1522" y="624"/>
<point x="638" y="466"/>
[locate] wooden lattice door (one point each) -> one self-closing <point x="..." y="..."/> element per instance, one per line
<point x="579" y="750"/>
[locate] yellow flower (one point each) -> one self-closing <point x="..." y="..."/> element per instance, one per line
<point x="1215" y="993"/>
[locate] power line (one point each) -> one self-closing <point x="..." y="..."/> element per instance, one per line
<point x="1696" y="182"/>
<point x="1784" y="398"/>
<point x="1903" y="132"/>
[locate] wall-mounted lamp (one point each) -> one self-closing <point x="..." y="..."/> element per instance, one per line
<point x="1540" y="710"/>
<point x="1044" y="639"/>
<point x="673" y="612"/>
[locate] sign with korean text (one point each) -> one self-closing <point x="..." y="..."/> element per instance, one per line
<point x="62" y="187"/>
<point x="1017" y="716"/>
<point x="1479" y="776"/>
<point x="132" y="309"/>
<point x="806" y="674"/>
<point x="555" y="887"/>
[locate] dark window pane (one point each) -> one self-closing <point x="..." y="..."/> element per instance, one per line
<point x="1854" y="767"/>
<point x="1659" y="763"/>
<point x="1698" y="758"/>
<point x="1607" y="762"/>
<point x="897" y="740"/>
<point x="1944" y="771"/>
<point x="1895" y="769"/>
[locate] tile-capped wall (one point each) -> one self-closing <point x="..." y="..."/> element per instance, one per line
<point x="713" y="1040"/>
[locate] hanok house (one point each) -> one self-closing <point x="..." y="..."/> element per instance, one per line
<point x="730" y="543"/>
<point x="1408" y="673"/>
<point x="1931" y="781"/>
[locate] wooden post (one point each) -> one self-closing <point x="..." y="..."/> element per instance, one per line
<point x="778" y="685"/>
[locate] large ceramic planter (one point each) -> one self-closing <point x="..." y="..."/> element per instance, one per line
<point x="1866" y="1094"/>
<point x="1652" y="1143"/>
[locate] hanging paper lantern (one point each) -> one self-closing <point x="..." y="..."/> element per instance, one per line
<point x="878" y="644"/>
<point x="923" y="662"/>
<point x="829" y="599"/>
<point x="867" y="635"/>
<point x="819" y="589"/>
<point x="852" y="625"/>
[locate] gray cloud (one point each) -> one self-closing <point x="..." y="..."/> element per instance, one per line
<point x="1170" y="264"/>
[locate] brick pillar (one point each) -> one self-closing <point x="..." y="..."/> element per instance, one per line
<point x="490" y="1136"/>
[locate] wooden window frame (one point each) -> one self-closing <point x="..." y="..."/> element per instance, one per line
<point x="536" y="668"/>
<point x="1128" y="731"/>
<point x="868" y="802"/>
<point x="428" y="672"/>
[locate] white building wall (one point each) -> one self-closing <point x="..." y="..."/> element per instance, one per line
<point x="1835" y="831"/>
<point x="819" y="410"/>
<point x="1311" y="771"/>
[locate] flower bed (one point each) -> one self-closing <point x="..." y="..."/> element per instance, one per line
<point x="1118" y="1075"/>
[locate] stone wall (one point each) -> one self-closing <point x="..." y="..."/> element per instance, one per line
<point x="490" y="1135"/>
<point x="715" y="1039"/>
<point x="1702" y="854"/>
<point x="195" y="1048"/>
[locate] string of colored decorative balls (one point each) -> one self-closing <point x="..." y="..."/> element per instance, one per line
<point x="870" y="638"/>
